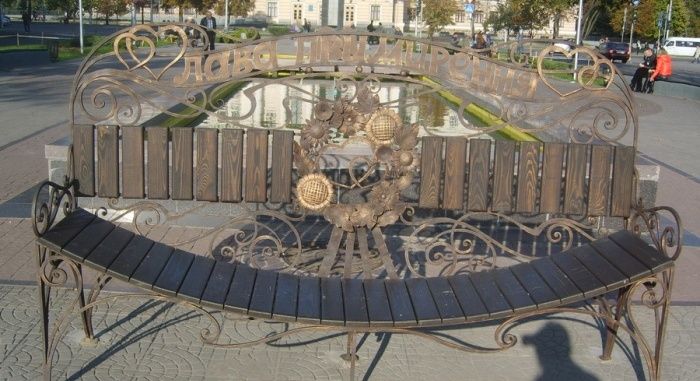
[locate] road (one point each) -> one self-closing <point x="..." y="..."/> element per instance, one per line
<point x="683" y="71"/>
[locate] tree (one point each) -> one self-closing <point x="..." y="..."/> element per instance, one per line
<point x="235" y="8"/>
<point x="182" y="4"/>
<point x="648" y="11"/>
<point x="110" y="7"/>
<point x="557" y="10"/>
<point x="502" y="18"/>
<point x="438" y="14"/>
<point x="69" y="8"/>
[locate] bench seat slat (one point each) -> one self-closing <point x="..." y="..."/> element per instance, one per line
<point x="485" y="285"/>
<point x="286" y="296"/>
<point x="445" y="300"/>
<point x="238" y="298"/>
<point x="578" y="274"/>
<point x="148" y="271"/>
<point x="108" y="250"/>
<point x="309" y="300"/>
<point x="196" y="279"/>
<point x="377" y="303"/>
<point x="66" y="229"/>
<point x="423" y="302"/>
<point x="517" y="296"/>
<point x="624" y="262"/>
<point x="261" y="302"/>
<point x="218" y="285"/>
<point x="400" y="303"/>
<point x="470" y="301"/>
<point x="558" y="281"/>
<point x="332" y="310"/>
<point x="536" y="287"/>
<point x="605" y="271"/>
<point x="355" y="303"/>
<point x="130" y="258"/>
<point x="88" y="239"/>
<point x="174" y="273"/>
<point x="635" y="246"/>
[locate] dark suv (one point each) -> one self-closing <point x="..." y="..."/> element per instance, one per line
<point x="615" y="51"/>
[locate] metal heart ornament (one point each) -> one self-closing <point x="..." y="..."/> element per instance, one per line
<point x="596" y="77"/>
<point x="145" y="35"/>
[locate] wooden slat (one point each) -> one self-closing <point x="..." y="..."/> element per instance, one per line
<point x="309" y="300"/>
<point x="627" y="264"/>
<point x="281" y="187"/>
<point x="182" y="163"/>
<point x="332" y="309"/>
<point x="207" y="170"/>
<point x="455" y="168"/>
<point x="485" y="284"/>
<point x="479" y="159"/>
<point x="355" y="303"/>
<point x="503" y="174"/>
<point x="605" y="271"/>
<point x="623" y="180"/>
<point x="150" y="267"/>
<point x="218" y="285"/>
<point x="108" y="161"/>
<point x="550" y="195"/>
<point x="430" y="168"/>
<point x="157" y="166"/>
<point x="132" y="162"/>
<point x="576" y="161"/>
<point x="517" y="296"/>
<point x="256" y="166"/>
<point x="238" y="298"/>
<point x="66" y="229"/>
<point x="527" y="177"/>
<point x="636" y="247"/>
<point x="286" y="296"/>
<point x="130" y="258"/>
<point x="84" y="159"/>
<point x="584" y="280"/>
<point x="423" y="303"/>
<point x="400" y="303"/>
<point x="468" y="298"/>
<point x="558" y="281"/>
<point x="445" y="300"/>
<point x="231" y="164"/>
<point x="536" y="287"/>
<point x="88" y="239"/>
<point x="196" y="280"/>
<point x="599" y="180"/>
<point x="261" y="302"/>
<point x="377" y="303"/>
<point x="174" y="273"/>
<point x="108" y="250"/>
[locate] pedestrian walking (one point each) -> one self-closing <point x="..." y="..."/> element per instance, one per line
<point x="209" y="22"/>
<point x="696" y="56"/>
<point x="26" y="21"/>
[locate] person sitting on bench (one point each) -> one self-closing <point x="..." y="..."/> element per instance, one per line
<point x="642" y="72"/>
<point x="662" y="70"/>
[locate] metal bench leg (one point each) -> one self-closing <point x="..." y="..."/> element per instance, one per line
<point x="44" y="298"/>
<point x="86" y="314"/>
<point x="661" y="318"/>
<point x="351" y="353"/>
<point x="611" y="333"/>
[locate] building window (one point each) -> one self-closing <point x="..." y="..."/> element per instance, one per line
<point x="272" y="9"/>
<point x="459" y="16"/>
<point x="349" y="14"/>
<point x="311" y="8"/>
<point x="297" y="12"/>
<point x="374" y="13"/>
<point x="478" y="17"/>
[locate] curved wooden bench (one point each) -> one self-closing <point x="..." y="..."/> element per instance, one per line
<point x="564" y="278"/>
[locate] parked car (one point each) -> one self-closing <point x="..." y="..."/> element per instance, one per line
<point x="249" y="22"/>
<point x="681" y="46"/>
<point x="6" y="20"/>
<point x="615" y="51"/>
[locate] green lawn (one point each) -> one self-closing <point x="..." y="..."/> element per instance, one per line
<point x="22" y="48"/>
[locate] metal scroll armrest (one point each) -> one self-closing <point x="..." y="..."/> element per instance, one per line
<point x="50" y="198"/>
<point x="662" y="224"/>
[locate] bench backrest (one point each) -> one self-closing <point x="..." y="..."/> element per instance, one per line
<point x="256" y="166"/>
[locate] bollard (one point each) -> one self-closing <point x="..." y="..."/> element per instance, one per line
<point x="53" y="50"/>
<point x="17" y="39"/>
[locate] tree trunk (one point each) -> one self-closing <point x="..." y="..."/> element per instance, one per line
<point x="181" y="14"/>
<point x="106" y="19"/>
<point x="555" y="27"/>
<point x="142" y="15"/>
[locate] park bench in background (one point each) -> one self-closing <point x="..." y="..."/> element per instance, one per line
<point x="401" y="231"/>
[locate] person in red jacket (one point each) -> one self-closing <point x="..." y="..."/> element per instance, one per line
<point x="662" y="71"/>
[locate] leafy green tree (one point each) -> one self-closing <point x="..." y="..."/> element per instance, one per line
<point x="110" y="7"/>
<point x="182" y="4"/>
<point x="69" y="8"/>
<point x="235" y="7"/>
<point x="648" y="11"/>
<point x="557" y="11"/>
<point x="438" y="14"/>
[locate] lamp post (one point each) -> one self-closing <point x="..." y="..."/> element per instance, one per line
<point x="226" y="16"/>
<point x="635" y="3"/>
<point x="578" y="35"/>
<point x="80" y="23"/>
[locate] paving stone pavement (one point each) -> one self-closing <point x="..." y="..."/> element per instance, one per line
<point x="156" y="340"/>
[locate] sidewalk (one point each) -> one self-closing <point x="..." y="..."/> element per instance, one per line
<point x="151" y="346"/>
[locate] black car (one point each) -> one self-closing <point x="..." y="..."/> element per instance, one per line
<point x="615" y="51"/>
<point x="249" y="23"/>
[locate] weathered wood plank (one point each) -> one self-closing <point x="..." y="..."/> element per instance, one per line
<point x="400" y="303"/>
<point x="84" y="159"/>
<point x="355" y="303"/>
<point x="256" y="166"/>
<point x="207" y="170"/>
<point x="132" y="162"/>
<point x="182" y="163"/>
<point x="468" y="298"/>
<point x="623" y="180"/>
<point x="377" y="303"/>
<point x="196" y="279"/>
<point x="281" y="187"/>
<point x="550" y="195"/>
<point x="479" y="161"/>
<point x="455" y="163"/>
<point x="261" y="302"/>
<point x="158" y="178"/>
<point x="527" y="177"/>
<point x="332" y="308"/>
<point x="503" y="174"/>
<point x="430" y="168"/>
<point x="576" y="161"/>
<point x="231" y="165"/>
<point x="599" y="182"/>
<point x="445" y="300"/>
<point x="174" y="272"/>
<point x="108" y="161"/>
<point x="422" y="300"/>
<point x="286" y="296"/>
<point x="309" y="300"/>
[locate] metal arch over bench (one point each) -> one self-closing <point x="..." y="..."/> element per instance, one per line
<point x="363" y="176"/>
